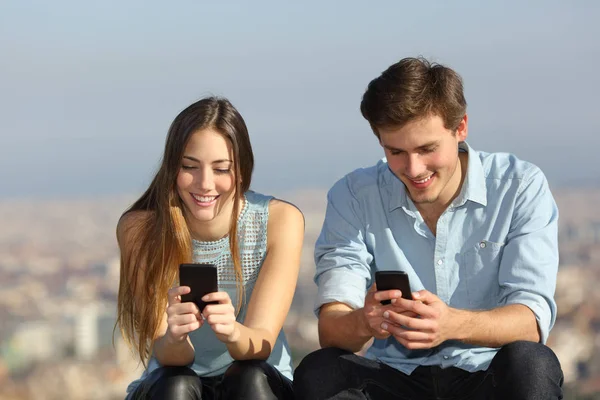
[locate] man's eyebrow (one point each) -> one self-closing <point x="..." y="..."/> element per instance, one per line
<point x="422" y="147"/>
<point x="428" y="145"/>
<point x="390" y="148"/>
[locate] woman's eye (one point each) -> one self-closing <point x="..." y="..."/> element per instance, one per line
<point x="187" y="167"/>
<point x="222" y="171"/>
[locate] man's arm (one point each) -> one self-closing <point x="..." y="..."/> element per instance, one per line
<point x="529" y="263"/>
<point x="438" y="323"/>
<point x="498" y="327"/>
<point x="341" y="326"/>
<point x="343" y="273"/>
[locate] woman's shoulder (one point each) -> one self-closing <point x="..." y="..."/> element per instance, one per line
<point x="256" y="199"/>
<point x="286" y="224"/>
<point x="276" y="206"/>
<point x="132" y="221"/>
<point x="282" y="212"/>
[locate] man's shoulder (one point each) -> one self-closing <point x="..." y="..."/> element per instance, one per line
<point x="359" y="182"/>
<point x="506" y="166"/>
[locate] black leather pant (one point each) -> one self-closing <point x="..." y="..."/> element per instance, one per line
<point x="252" y="379"/>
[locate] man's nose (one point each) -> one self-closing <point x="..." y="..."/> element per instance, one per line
<point x="414" y="166"/>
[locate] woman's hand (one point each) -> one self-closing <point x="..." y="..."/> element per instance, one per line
<point x="221" y="317"/>
<point x="182" y="318"/>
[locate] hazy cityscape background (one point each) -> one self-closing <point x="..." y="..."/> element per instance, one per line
<point x="88" y="90"/>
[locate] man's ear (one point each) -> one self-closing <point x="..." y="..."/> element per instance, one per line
<point x="462" y="131"/>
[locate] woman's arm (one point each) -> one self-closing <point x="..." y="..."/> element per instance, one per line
<point x="169" y="352"/>
<point x="167" y="349"/>
<point x="274" y="288"/>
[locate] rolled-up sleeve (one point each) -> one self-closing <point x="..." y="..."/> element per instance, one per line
<point x="530" y="261"/>
<point x="341" y="256"/>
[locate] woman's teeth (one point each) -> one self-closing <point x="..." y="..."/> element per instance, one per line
<point x="204" y="199"/>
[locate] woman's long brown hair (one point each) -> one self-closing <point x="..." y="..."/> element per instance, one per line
<point x="162" y="241"/>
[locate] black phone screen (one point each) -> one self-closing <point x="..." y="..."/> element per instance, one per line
<point x="388" y="280"/>
<point x="202" y="279"/>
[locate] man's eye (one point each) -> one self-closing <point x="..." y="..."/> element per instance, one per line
<point x="429" y="150"/>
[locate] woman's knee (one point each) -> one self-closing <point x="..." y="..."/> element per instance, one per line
<point x="171" y="383"/>
<point x="255" y="379"/>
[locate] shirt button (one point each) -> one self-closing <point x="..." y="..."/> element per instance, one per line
<point x="482" y="245"/>
<point x="440" y="262"/>
<point x="446" y="357"/>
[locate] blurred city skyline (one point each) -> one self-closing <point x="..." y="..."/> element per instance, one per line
<point x="88" y="90"/>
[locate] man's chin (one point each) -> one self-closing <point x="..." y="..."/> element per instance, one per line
<point x="422" y="198"/>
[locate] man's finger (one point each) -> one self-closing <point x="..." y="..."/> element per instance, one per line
<point x="416" y="306"/>
<point x="387" y="294"/>
<point x="412" y="323"/>
<point x="425" y="296"/>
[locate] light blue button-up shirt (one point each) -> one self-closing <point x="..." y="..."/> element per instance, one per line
<point x="496" y="244"/>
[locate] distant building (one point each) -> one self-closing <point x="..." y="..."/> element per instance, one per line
<point x="86" y="332"/>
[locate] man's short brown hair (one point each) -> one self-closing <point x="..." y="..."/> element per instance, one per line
<point x="411" y="89"/>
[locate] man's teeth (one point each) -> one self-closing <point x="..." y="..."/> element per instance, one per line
<point x="424" y="180"/>
<point x="204" y="199"/>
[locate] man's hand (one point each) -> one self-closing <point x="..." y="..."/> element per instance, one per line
<point x="373" y="310"/>
<point x="422" y="323"/>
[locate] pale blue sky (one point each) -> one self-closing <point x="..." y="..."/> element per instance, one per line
<point x="88" y="89"/>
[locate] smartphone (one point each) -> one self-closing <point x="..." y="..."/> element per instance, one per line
<point x="202" y="280"/>
<point x="388" y="280"/>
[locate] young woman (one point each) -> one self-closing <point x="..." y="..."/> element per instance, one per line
<point x="199" y="209"/>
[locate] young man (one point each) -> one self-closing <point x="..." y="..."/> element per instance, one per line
<point x="475" y="232"/>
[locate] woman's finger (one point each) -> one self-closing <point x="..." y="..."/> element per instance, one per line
<point x="221" y="297"/>
<point x="174" y="294"/>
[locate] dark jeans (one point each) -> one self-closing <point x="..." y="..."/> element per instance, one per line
<point x="252" y="380"/>
<point x="520" y="370"/>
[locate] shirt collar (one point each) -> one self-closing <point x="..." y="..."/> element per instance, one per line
<point x="389" y="182"/>
<point x="473" y="188"/>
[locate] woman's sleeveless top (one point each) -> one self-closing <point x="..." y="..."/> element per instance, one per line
<point x="211" y="355"/>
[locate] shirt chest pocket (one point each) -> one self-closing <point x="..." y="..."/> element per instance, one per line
<point x="481" y="265"/>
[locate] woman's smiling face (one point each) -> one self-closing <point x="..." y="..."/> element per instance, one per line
<point x="206" y="179"/>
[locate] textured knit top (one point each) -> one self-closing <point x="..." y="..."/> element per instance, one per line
<point x="211" y="355"/>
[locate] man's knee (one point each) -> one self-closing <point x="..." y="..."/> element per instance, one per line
<point x="528" y="356"/>
<point x="527" y="370"/>
<point x="313" y="363"/>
